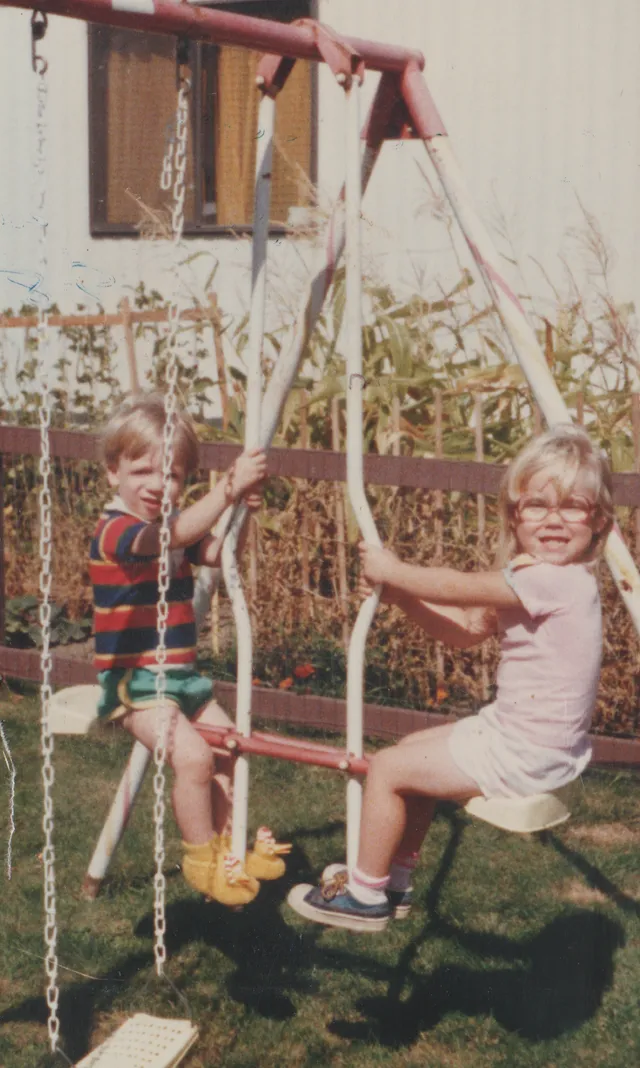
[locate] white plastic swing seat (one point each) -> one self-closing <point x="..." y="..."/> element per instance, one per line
<point x="525" y="815"/>
<point x="74" y="709"/>
<point x="144" y="1042"/>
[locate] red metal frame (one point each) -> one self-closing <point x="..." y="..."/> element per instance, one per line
<point x="272" y="745"/>
<point x="224" y="27"/>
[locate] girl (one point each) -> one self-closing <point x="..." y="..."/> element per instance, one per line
<point x="556" y="509"/>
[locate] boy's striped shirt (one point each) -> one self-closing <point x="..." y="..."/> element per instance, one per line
<point x="125" y="593"/>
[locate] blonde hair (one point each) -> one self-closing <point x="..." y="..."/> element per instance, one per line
<point x="568" y="450"/>
<point x="138" y="425"/>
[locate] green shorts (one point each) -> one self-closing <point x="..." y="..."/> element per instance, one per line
<point x="127" y="689"/>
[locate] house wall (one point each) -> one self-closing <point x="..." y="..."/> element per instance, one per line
<point x="541" y="102"/>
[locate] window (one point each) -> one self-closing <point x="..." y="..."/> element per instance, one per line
<point x="132" y="103"/>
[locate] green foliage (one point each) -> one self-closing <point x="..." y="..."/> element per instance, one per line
<point x="22" y="624"/>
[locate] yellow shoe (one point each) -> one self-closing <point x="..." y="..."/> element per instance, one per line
<point x="232" y="885"/>
<point x="199" y="865"/>
<point x="265" y="861"/>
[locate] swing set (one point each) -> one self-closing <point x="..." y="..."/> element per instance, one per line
<point x="402" y="107"/>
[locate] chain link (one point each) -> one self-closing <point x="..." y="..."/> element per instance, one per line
<point x="164" y="566"/>
<point x="45" y="513"/>
<point x="166" y="175"/>
<point x="180" y="162"/>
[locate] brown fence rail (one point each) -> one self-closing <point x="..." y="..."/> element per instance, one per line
<point x="312" y="465"/>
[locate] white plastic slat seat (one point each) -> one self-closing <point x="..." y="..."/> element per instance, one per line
<point x="144" y="1042"/>
<point x="74" y="709"/>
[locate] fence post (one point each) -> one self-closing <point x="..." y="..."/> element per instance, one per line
<point x="303" y="497"/>
<point x="635" y="425"/>
<point x="481" y="503"/>
<point x="215" y="596"/>
<point x="343" y="594"/>
<point x="2" y="582"/>
<point x="439" y="529"/>
<point x="214" y="315"/>
<point x="125" y="311"/>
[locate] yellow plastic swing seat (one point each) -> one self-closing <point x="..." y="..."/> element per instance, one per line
<point x="524" y="815"/>
<point x="144" y="1042"/>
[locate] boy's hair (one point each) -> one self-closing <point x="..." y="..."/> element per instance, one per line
<point x="566" y="450"/>
<point x="138" y="425"/>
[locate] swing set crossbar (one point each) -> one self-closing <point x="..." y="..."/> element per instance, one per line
<point x="260" y="743"/>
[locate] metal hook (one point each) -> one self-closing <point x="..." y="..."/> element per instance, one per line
<point x="183" y="48"/>
<point x="39" y="24"/>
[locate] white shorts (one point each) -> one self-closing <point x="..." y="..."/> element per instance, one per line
<point x="510" y="767"/>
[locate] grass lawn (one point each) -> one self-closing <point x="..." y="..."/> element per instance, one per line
<point x="521" y="952"/>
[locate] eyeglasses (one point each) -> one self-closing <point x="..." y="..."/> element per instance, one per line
<point x="575" y="510"/>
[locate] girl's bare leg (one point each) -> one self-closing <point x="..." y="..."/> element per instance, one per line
<point x="402" y="786"/>
<point x="192" y="763"/>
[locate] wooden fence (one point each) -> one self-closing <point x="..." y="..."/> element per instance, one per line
<point x="438" y="474"/>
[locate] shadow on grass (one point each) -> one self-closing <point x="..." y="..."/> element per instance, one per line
<point x="78" y="1005"/>
<point x="269" y="957"/>
<point x="550" y="984"/>
<point x="594" y="877"/>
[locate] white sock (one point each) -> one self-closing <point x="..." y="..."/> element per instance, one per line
<point x="367" y="889"/>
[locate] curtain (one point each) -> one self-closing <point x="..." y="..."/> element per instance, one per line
<point x="236" y="131"/>
<point x="141" y="97"/>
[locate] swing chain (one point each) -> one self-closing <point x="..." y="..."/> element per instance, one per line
<point x="39" y="24"/>
<point x="48" y="775"/>
<point x="164" y="566"/>
<point x="166" y="175"/>
<point x="177" y="143"/>
<point x="45" y="546"/>
<point x="180" y="161"/>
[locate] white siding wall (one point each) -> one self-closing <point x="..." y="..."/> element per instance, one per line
<point x="541" y="101"/>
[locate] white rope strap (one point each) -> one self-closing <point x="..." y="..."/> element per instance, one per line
<point x="164" y="568"/>
<point x="11" y="768"/>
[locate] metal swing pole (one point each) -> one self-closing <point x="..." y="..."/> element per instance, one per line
<point x="355" y="459"/>
<point x="262" y="201"/>
<point x="278" y="388"/>
<point x="430" y="128"/>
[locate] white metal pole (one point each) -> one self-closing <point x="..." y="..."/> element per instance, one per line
<point x="117" y="819"/>
<point x="284" y="373"/>
<point x="264" y="156"/>
<point x="355" y="460"/>
<point x="524" y="342"/>
<point x="286" y="368"/>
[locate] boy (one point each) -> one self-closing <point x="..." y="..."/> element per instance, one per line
<point x="124" y="571"/>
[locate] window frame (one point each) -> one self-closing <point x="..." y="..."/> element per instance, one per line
<point x="98" y="148"/>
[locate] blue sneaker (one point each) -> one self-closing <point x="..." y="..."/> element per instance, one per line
<point x="400" y="901"/>
<point x="333" y="905"/>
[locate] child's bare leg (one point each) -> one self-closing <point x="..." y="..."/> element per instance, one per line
<point x="216" y="716"/>
<point x="419" y="813"/>
<point x="400" y="780"/>
<point x="192" y="763"/>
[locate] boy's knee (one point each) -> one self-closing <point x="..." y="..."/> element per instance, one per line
<point x="195" y="760"/>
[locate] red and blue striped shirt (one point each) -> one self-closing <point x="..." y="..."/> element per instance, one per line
<point x="125" y="594"/>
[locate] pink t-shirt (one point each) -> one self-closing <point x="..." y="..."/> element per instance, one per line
<point x="551" y="651"/>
